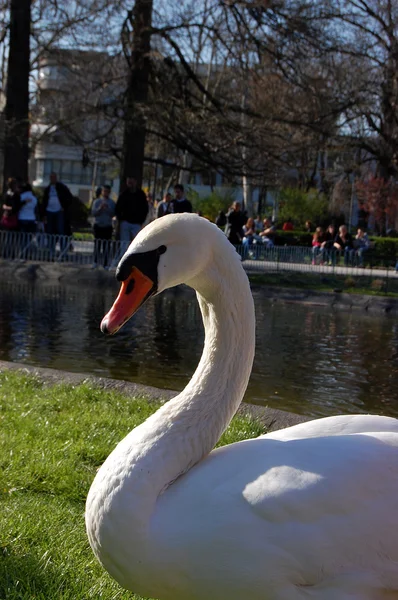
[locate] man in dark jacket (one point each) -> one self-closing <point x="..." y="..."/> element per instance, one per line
<point x="235" y="221"/>
<point x="131" y="210"/>
<point x="180" y="204"/>
<point x="57" y="200"/>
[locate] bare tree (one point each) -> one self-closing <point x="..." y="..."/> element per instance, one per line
<point x="260" y="89"/>
<point x="261" y="100"/>
<point x="136" y="38"/>
<point x="16" y="140"/>
<point x="367" y="38"/>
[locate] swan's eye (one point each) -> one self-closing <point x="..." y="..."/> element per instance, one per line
<point x="146" y="262"/>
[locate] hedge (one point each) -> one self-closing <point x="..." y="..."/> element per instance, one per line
<point x="384" y="251"/>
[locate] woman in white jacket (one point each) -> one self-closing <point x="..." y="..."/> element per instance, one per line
<point x="27" y="212"/>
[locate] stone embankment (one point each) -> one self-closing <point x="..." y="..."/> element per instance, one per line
<point x="337" y="300"/>
<point x="51" y="273"/>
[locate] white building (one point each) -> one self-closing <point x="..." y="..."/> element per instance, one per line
<point x="61" y="117"/>
<point x="58" y="113"/>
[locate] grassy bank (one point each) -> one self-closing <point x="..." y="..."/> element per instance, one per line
<point x="52" y="441"/>
<point x="375" y="284"/>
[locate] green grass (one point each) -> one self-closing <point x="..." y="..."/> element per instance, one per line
<point x="329" y="282"/>
<point x="83" y="236"/>
<point x="52" y="440"/>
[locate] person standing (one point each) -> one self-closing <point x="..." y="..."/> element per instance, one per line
<point x="235" y="221"/>
<point x="221" y="219"/>
<point x="103" y="211"/>
<point x="11" y="206"/>
<point x="97" y="194"/>
<point x="151" y="209"/>
<point x="57" y="201"/>
<point x="164" y="206"/>
<point x="131" y="210"/>
<point x="180" y="204"/>
<point x="27" y="212"/>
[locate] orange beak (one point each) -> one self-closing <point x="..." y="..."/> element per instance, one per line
<point x="134" y="291"/>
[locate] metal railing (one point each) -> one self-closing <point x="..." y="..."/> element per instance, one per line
<point x="42" y="247"/>
<point x="258" y="257"/>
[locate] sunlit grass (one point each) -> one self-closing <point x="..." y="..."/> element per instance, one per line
<point x="52" y="440"/>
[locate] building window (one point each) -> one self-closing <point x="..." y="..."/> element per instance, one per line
<point x="68" y="171"/>
<point x="208" y="177"/>
<point x="47" y="169"/>
<point x="39" y="169"/>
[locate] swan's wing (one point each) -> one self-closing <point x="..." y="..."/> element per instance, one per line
<point x="314" y="507"/>
<point x="337" y="425"/>
<point x="335" y="464"/>
<point x="312" y="477"/>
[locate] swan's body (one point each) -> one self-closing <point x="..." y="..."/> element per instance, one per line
<point x="309" y="512"/>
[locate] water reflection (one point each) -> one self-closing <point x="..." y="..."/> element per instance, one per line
<point x="309" y="359"/>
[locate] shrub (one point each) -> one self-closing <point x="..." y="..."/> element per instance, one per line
<point x="385" y="250"/>
<point x="349" y="282"/>
<point x="293" y="238"/>
<point x="378" y="285"/>
<point x="301" y="206"/>
<point x="211" y="205"/>
<point x="79" y="213"/>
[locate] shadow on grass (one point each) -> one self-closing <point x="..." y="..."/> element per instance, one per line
<point x="26" y="577"/>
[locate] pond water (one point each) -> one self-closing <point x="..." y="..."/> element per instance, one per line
<point x="309" y="360"/>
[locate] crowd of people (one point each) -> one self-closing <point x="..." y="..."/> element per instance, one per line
<point x="241" y="229"/>
<point x="112" y="220"/>
<point x="21" y="210"/>
<point x="328" y="245"/>
<point x="124" y="218"/>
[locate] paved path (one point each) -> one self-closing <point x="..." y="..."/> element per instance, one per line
<point x="261" y="266"/>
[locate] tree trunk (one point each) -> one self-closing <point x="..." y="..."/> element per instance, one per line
<point x="16" y="141"/>
<point x="137" y="93"/>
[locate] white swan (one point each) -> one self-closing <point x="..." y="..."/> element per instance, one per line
<point x="309" y="512"/>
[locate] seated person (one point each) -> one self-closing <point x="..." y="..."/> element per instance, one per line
<point x="344" y="243"/>
<point x="361" y="244"/>
<point x="317" y="241"/>
<point x="288" y="225"/>
<point x="250" y="237"/>
<point x="249" y="232"/>
<point x="308" y="227"/>
<point x="258" y="224"/>
<point x="327" y="247"/>
<point x="268" y="233"/>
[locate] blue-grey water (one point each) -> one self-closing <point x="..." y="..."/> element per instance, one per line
<point x="310" y="360"/>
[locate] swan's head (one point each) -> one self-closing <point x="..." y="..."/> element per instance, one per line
<point x="169" y="251"/>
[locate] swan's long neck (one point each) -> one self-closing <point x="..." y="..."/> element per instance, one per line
<point x="186" y="428"/>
